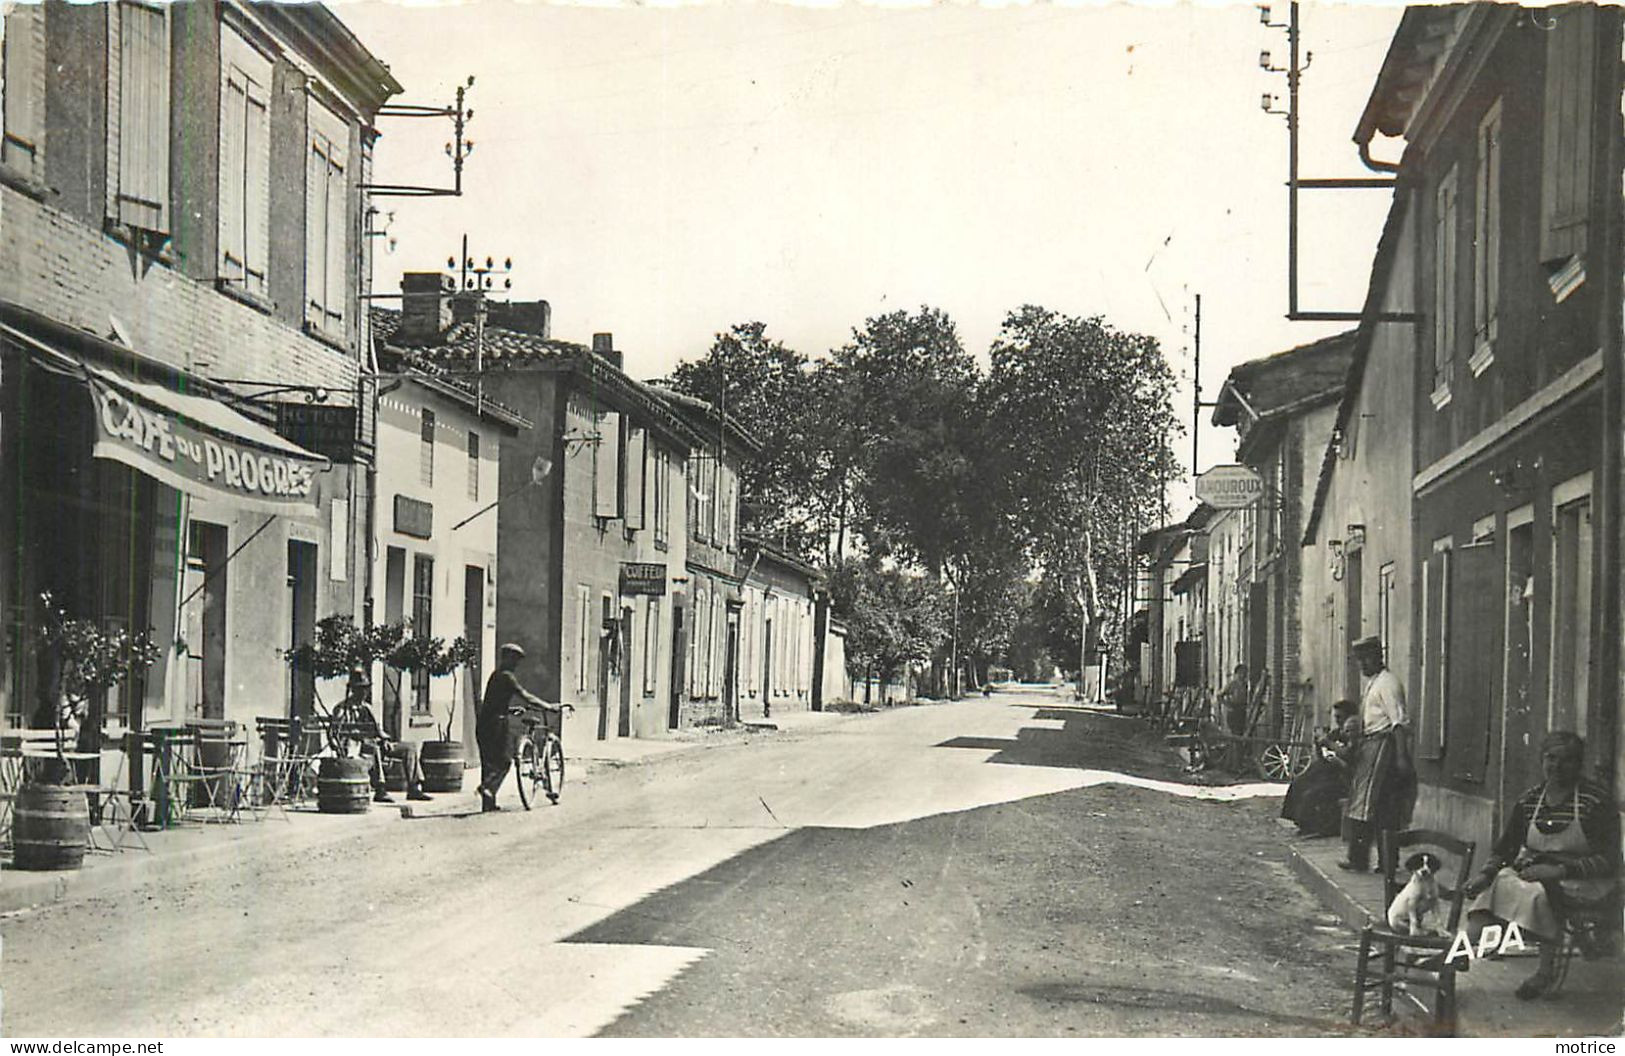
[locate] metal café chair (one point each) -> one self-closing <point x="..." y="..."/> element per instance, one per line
<point x="216" y="762"/>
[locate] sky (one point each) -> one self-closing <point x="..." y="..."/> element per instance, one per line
<point x="663" y="172"/>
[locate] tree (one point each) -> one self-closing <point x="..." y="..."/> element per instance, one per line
<point x="766" y="388"/>
<point x="893" y="619"/>
<point x="1084" y="412"/>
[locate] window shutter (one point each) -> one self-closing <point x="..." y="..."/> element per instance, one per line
<point x="257" y="187"/>
<point x="1566" y="131"/>
<point x="143" y="138"/>
<point x="316" y="231"/>
<point x="634" y="479"/>
<point x="22" y="86"/>
<point x="233" y="144"/>
<point x="337" y="237"/>
<point x="605" y="464"/>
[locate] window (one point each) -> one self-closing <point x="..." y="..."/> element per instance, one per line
<point x="662" y="496"/>
<point x="1444" y="286"/>
<point x="138" y="93"/>
<point x="422" y="622"/>
<point x="473" y="466"/>
<point x="712" y="675"/>
<point x="691" y="481"/>
<point x="606" y="467"/>
<point x="426" y="447"/>
<point x="1487" y="241"/>
<point x="1385" y="608"/>
<point x="702" y="641"/>
<point x="245" y="164"/>
<point x="651" y="646"/>
<point x="1566" y="131"/>
<point x="1571" y="608"/>
<point x="584" y="626"/>
<point x="327" y="226"/>
<point x="22" y="89"/>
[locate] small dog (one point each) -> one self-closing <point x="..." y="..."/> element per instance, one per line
<point x="1415" y="909"/>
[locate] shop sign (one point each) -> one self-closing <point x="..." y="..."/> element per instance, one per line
<point x="1229" y="487"/>
<point x="414" y="517"/>
<point x="642" y="577"/>
<point x="325" y="430"/>
<point x="172" y="449"/>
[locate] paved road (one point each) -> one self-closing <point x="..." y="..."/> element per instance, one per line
<point x="975" y="868"/>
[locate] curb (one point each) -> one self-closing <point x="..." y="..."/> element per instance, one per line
<point x="1330" y="893"/>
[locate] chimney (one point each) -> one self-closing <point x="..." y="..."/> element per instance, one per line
<point x="527" y="317"/>
<point x="604" y="345"/>
<point x="425" y="304"/>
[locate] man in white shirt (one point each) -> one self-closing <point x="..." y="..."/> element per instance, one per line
<point x="1381" y="790"/>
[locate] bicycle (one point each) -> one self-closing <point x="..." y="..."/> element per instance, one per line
<point x="538" y="763"/>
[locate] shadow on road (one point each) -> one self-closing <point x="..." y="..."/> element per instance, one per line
<point x="1087" y="739"/>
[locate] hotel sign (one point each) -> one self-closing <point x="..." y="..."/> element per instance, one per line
<point x="175" y="450"/>
<point x="325" y="430"/>
<point x="1229" y="487"/>
<point x="642" y="577"/>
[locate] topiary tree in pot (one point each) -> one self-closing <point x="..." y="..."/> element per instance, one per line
<point x="51" y="818"/>
<point x="443" y="760"/>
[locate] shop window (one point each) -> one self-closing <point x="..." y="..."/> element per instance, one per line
<point x="1571" y="615"/>
<point x="1436" y="583"/>
<point x="245" y="164"/>
<point x="651" y="646"/>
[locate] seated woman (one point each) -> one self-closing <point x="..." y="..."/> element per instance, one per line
<point x="1558" y="853"/>
<point x="1312" y="798"/>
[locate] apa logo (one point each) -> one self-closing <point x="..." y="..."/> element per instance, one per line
<point x="1491" y="938"/>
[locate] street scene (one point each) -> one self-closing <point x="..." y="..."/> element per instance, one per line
<point x="780" y="521"/>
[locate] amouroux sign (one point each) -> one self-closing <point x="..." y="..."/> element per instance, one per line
<point x="1229" y="487"/>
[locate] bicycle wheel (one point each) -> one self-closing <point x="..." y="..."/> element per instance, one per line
<point x="527" y="768"/>
<point x="551" y="768"/>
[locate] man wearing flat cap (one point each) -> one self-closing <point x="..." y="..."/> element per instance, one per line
<point x="491" y="724"/>
<point x="1384" y="779"/>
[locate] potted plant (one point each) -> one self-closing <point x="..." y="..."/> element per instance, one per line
<point x="84" y="661"/>
<point x="443" y="760"/>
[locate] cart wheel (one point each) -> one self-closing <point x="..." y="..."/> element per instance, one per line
<point x="1279" y="762"/>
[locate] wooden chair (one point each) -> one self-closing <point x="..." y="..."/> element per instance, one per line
<point x="1586" y="929"/>
<point x="1388" y="958"/>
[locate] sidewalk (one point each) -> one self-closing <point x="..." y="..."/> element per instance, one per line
<point x="194" y="845"/>
<point x="1587" y="1006"/>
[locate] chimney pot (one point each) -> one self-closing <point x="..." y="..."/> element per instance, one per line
<point x="425" y="304"/>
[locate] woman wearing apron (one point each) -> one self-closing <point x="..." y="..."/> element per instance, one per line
<point x="1559" y="850"/>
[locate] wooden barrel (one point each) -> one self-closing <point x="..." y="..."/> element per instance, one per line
<point x="394" y="774"/>
<point x="442" y="763"/>
<point x="50" y="827"/>
<point x="343" y="787"/>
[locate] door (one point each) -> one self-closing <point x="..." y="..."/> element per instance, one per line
<point x="302" y="622"/>
<point x="679" y="647"/>
<point x="474" y="632"/>
<point x="767" y="668"/>
<point x="730" y="673"/>
<point x="1354" y="616"/>
<point x="394" y="612"/>
<point x="1475" y="618"/>
<point x="1518" y="763"/>
<point x="623" y="725"/>
<point x="605" y="644"/>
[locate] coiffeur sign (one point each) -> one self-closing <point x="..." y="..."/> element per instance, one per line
<point x="271" y="475"/>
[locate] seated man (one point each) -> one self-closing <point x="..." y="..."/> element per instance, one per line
<point x="1312" y="798"/>
<point x="1558" y="853"/>
<point x="375" y="745"/>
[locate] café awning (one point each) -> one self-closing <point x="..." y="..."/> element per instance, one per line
<point x="187" y="440"/>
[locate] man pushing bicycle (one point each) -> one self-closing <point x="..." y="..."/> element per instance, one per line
<point x="491" y="725"/>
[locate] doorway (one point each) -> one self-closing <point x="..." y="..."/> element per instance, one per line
<point x="679" y="646"/>
<point x="1354" y="619"/>
<point x="474" y="632"/>
<point x="394" y="612"/>
<point x="623" y="724"/>
<point x="203" y="620"/>
<point x="767" y="668"/>
<point x="730" y="673"/>
<point x="301" y="623"/>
